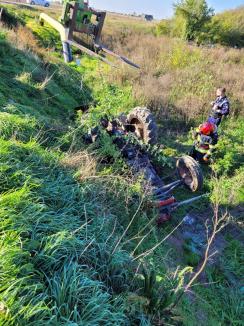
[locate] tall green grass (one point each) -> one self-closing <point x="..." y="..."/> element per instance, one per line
<point x="57" y="264"/>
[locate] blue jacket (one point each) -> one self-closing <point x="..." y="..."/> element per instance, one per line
<point x="223" y="106"/>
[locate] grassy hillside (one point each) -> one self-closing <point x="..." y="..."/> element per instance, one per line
<point x="64" y="256"/>
<point x="79" y="244"/>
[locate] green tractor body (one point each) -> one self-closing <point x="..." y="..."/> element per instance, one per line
<point x="83" y="16"/>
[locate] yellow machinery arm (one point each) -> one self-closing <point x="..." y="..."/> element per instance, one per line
<point x="63" y="31"/>
<point x="64" y="34"/>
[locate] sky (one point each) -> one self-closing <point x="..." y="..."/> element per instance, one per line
<point x="158" y="8"/>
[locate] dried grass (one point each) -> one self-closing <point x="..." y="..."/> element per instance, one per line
<point x="23" y="39"/>
<point x="177" y="78"/>
<point x="83" y="162"/>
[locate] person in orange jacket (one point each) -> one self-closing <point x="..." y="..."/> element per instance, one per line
<point x="206" y="139"/>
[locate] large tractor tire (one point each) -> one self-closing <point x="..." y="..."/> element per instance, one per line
<point x="190" y="172"/>
<point x="143" y="122"/>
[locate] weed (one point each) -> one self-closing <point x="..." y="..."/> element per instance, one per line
<point x="233" y="257"/>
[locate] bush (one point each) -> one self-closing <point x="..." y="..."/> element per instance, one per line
<point x="226" y="28"/>
<point x="195" y="15"/>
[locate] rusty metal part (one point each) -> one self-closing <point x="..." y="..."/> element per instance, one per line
<point x="165" y="202"/>
<point x="68" y="34"/>
<point x="188" y="201"/>
<point x="141" y="165"/>
<point x="165" y="190"/>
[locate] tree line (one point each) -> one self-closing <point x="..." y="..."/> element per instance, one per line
<point x="194" y="20"/>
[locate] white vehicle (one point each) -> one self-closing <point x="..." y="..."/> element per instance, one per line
<point x="44" y="3"/>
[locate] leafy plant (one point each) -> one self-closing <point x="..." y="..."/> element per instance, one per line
<point x="195" y="13"/>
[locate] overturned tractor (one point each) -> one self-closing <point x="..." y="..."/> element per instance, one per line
<point x="140" y="124"/>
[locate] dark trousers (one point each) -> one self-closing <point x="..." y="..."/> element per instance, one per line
<point x="215" y="120"/>
<point x="196" y="155"/>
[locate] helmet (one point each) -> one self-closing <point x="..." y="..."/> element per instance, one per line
<point x="207" y="128"/>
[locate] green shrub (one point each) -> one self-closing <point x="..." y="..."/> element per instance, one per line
<point x="195" y="14"/>
<point x="233" y="257"/>
<point x="226" y="28"/>
<point x="163" y="28"/>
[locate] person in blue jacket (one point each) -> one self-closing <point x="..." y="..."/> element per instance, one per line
<point x="220" y="107"/>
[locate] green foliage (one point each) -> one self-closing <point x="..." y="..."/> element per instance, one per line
<point x="159" y="297"/>
<point x="191" y="257"/>
<point x="163" y="27"/>
<point x="25" y="82"/>
<point x="58" y="273"/>
<point x="181" y="56"/>
<point x="226" y="28"/>
<point x="59" y="262"/>
<point x="13" y="18"/>
<point x="196" y="14"/>
<point x="81" y="298"/>
<point x="46" y="35"/>
<point x="228" y="164"/>
<point x="229" y="190"/>
<point x="58" y="265"/>
<point x="2" y="35"/>
<point x="233" y="257"/>
<point x="108" y="99"/>
<point x="230" y="147"/>
<point x="158" y="153"/>
<point x="157" y="293"/>
<point x="21" y="128"/>
<point x="211" y="301"/>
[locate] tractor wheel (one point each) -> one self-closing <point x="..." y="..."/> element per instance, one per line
<point x="190" y="171"/>
<point x="144" y="125"/>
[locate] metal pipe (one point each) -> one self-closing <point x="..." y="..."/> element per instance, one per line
<point x="188" y="201"/>
<point x="91" y="53"/>
<point x="126" y="60"/>
<point x="168" y="191"/>
<point x="170" y="186"/>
